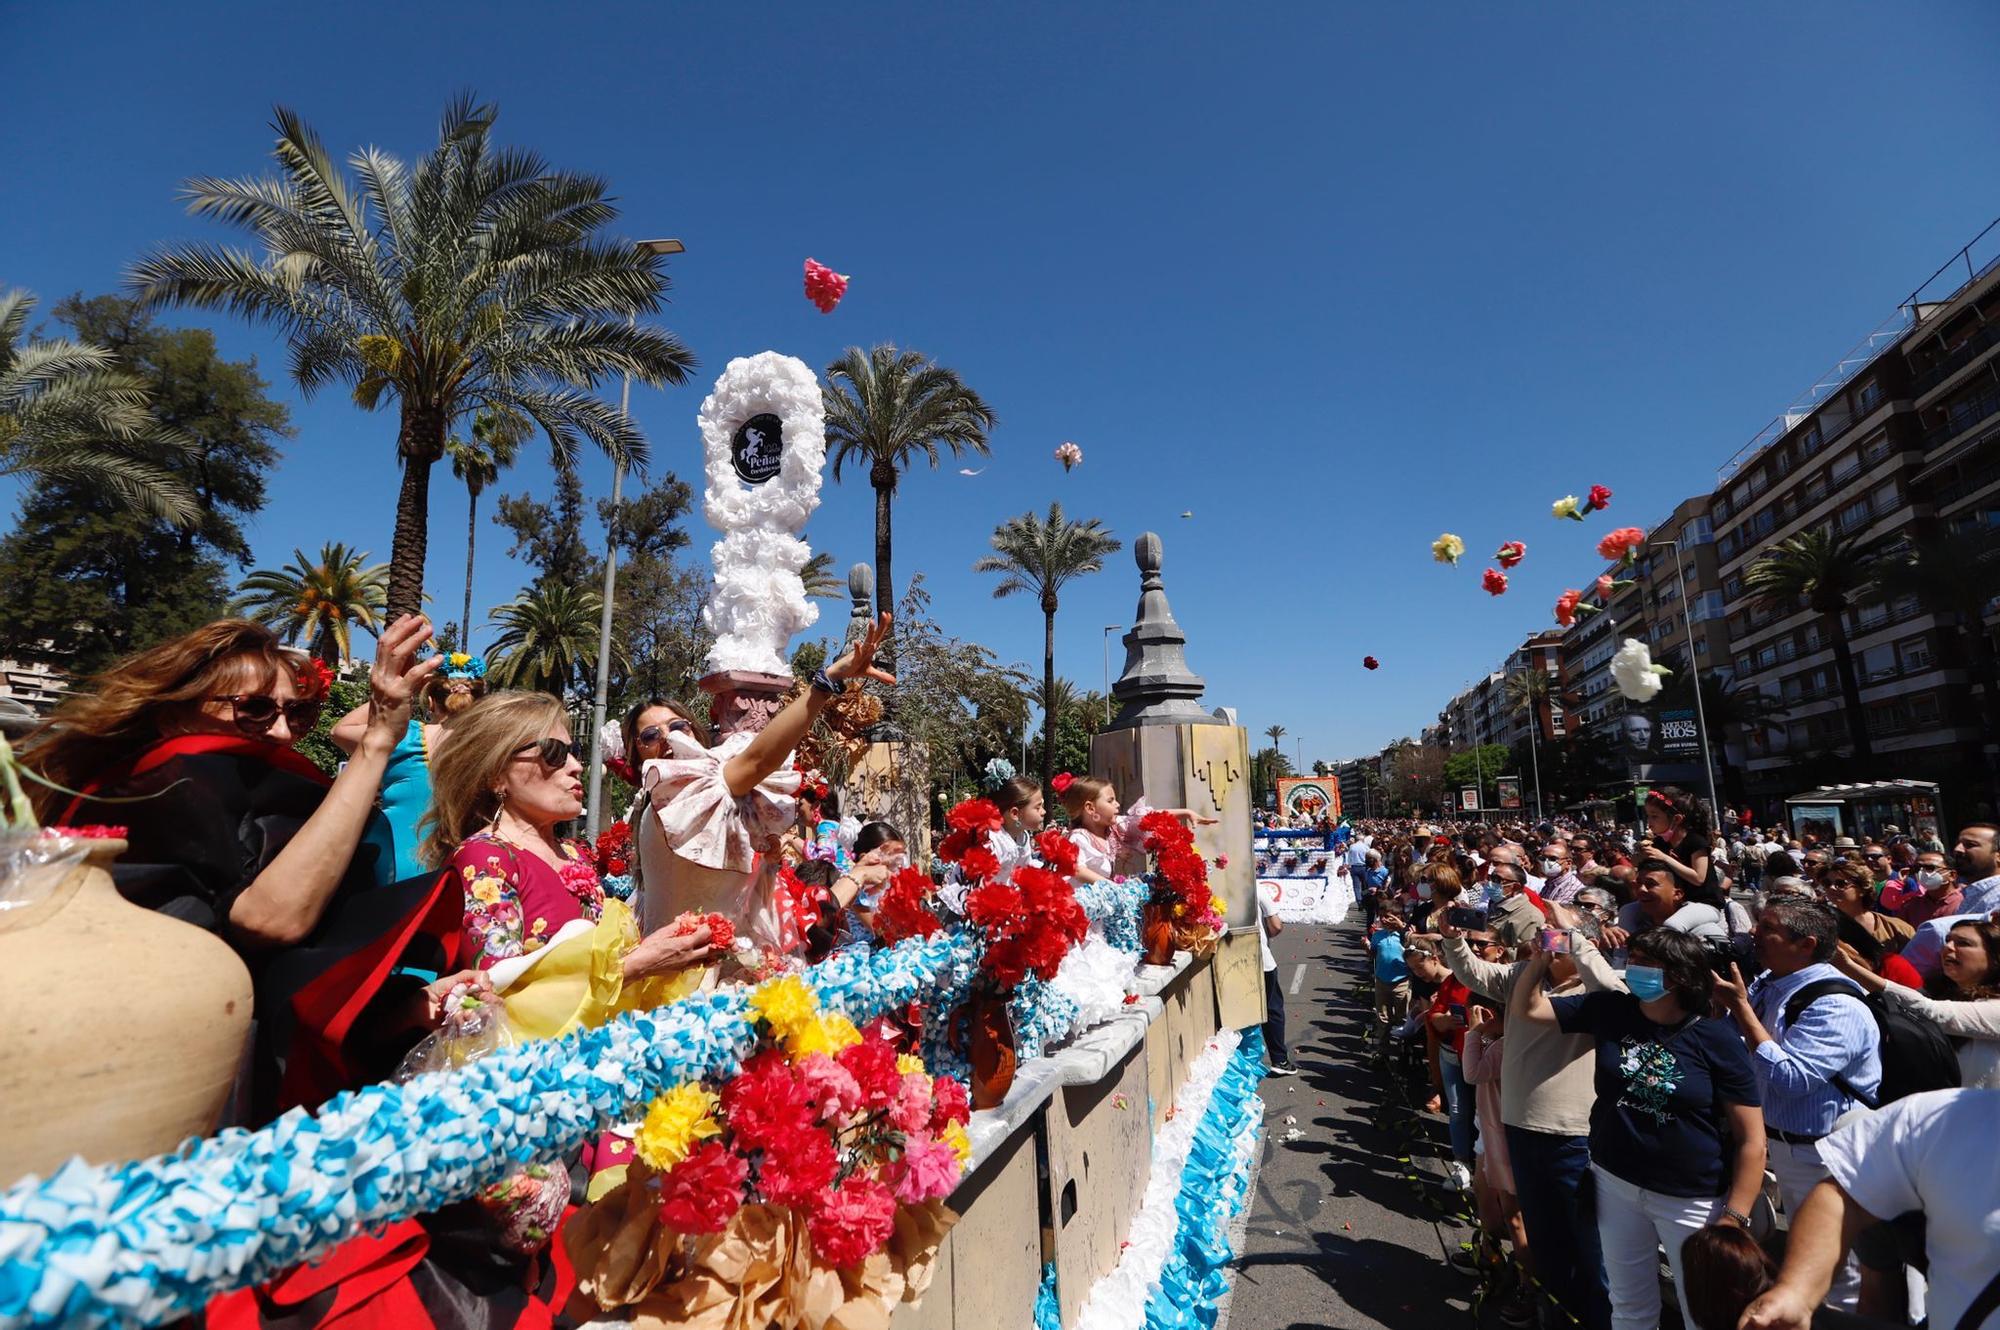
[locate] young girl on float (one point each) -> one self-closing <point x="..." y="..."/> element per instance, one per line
<point x="1102" y="833"/>
<point x="1023" y="809"/>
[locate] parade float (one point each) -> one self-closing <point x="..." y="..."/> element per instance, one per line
<point x="808" y="1150"/>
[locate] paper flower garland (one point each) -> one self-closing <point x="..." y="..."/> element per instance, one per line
<point x="1494" y="582"/>
<point x="1633" y="670"/>
<point x="1510" y="554"/>
<point x="1447" y="548"/>
<point x="1068" y="454"/>
<point x="824" y="286"/>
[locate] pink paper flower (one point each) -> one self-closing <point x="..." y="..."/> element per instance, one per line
<point x="1495" y="582"/>
<point x="1605" y="586"/>
<point x="1623" y="543"/>
<point x="830" y="1085"/>
<point x="929" y="1170"/>
<point x="853" y="1221"/>
<point x="824" y="286"/>
<point x="910" y="1111"/>
<point x="1068" y="454"/>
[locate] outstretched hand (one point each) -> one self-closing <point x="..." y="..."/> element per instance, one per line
<point x="397" y="676"/>
<point x="858" y="661"/>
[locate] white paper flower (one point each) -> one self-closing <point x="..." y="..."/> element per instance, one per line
<point x="613" y="737"/>
<point x="1633" y="670"/>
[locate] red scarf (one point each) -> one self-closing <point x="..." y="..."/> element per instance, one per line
<point x="191" y="745"/>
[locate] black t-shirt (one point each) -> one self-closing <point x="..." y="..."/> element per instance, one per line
<point x="1661" y="1119"/>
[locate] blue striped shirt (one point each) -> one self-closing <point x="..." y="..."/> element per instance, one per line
<point x="1835" y="1036"/>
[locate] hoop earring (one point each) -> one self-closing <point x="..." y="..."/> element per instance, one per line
<point x="499" y="806"/>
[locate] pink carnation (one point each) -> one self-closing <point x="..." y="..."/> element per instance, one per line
<point x="829" y="1085"/>
<point x="824" y="286"/>
<point x="910" y="1111"/>
<point x="853" y="1221"/>
<point x="929" y="1171"/>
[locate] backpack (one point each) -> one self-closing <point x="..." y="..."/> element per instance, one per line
<point x="1916" y="1055"/>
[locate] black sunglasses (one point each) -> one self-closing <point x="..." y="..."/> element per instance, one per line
<point x="554" y="753"/>
<point x="254" y="713"/>
<point x="654" y="733"/>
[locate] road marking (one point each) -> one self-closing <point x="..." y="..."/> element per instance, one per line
<point x="1298" y="977"/>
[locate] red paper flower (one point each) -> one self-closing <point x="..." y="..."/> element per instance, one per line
<point x="978" y="864"/>
<point x="1061" y="782"/>
<point x="1370" y="663"/>
<point x="798" y="1167"/>
<point x="722" y="933"/>
<point x="949" y="1103"/>
<point x="830" y="1085"/>
<point x="767" y="1102"/>
<point x="872" y="1063"/>
<point x="1605" y="586"/>
<point x="853" y="1222"/>
<point x="1600" y="497"/>
<point x="1058" y="851"/>
<point x="903" y="910"/>
<point x="1495" y="582"/>
<point x="314" y="680"/>
<point x="705" y="1190"/>
<point x="1623" y="543"/>
<point x="1566" y="605"/>
<point x="824" y="286"/>
<point x="954" y="847"/>
<point x="976" y="815"/>
<point x="1510" y="554"/>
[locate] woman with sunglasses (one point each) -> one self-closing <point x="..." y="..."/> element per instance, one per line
<point x="190" y="746"/>
<point x="641" y="737"/>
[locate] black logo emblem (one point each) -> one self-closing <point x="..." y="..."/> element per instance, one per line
<point x="757" y="448"/>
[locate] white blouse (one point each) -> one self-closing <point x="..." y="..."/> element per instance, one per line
<point x="1977" y="1023"/>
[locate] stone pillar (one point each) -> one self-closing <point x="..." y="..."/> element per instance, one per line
<point x="1162" y="744"/>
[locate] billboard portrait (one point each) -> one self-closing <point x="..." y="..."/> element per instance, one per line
<point x="1309" y="798"/>
<point x="1468" y="799"/>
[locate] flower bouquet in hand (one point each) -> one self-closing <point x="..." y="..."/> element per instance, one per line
<point x="806" y="1190"/>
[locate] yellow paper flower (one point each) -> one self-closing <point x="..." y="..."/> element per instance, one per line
<point x="785" y="1004"/>
<point x="827" y="1033"/>
<point x="1566" y="506"/>
<point x="1217" y="904"/>
<point x="961" y="1144"/>
<point x="907" y="1063"/>
<point x="674" y="1122"/>
<point x="460" y="660"/>
<point x="1447" y="548"/>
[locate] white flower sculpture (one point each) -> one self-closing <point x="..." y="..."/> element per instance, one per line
<point x="1633" y="670"/>
<point x="760" y="601"/>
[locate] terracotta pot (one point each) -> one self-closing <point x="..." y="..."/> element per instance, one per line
<point x="1156" y="934"/>
<point x="992" y="1051"/>
<point x="124" y="1028"/>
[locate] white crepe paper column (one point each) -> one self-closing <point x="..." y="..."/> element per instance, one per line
<point x="759" y="601"/>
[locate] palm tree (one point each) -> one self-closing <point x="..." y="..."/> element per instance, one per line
<point x="1728" y="708"/>
<point x="819" y="578"/>
<point x="68" y="413"/>
<point x="1526" y="691"/>
<point x="1275" y="733"/>
<point x="475" y="279"/>
<point x="548" y="639"/>
<point x="1039" y="557"/>
<point x="320" y="602"/>
<point x="1826" y="573"/>
<point x="478" y="461"/>
<point x="1955" y="573"/>
<point x="884" y="407"/>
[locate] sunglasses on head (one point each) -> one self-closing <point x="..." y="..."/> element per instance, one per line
<point x="255" y="713"/>
<point x="554" y="753"/>
<point x="652" y="734"/>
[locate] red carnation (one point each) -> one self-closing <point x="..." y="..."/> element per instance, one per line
<point x="1061" y="782"/>
<point x="797" y="1167"/>
<point x="767" y="1101"/>
<point x="1058" y="851"/>
<point x="975" y="815"/>
<point x="722" y="933"/>
<point x="952" y="849"/>
<point x="1369" y="662"/>
<point x="978" y="864"/>
<point x="1600" y="497"/>
<point x="1605" y="586"/>
<point x="1511" y="553"/>
<point x="872" y="1063"/>
<point x="705" y="1190"/>
<point x="903" y="910"/>
<point x="824" y="286"/>
<point x="1623" y="543"/>
<point x="1566" y="605"/>
<point x="1495" y="582"/>
<point x="949" y="1103"/>
<point x="854" y="1222"/>
<point x="314" y="680"/>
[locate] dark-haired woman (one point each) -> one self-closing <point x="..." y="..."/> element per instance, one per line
<point x="1963" y="999"/>
<point x="1676" y="1135"/>
<point x="232" y="830"/>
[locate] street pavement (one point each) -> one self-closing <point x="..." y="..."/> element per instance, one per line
<point x="1338" y="1233"/>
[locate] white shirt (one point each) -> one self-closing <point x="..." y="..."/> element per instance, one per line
<point x="1931" y="1152"/>
<point x="1263" y="937"/>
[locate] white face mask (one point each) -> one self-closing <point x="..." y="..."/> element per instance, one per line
<point x="1930" y="880"/>
<point x="1551" y="868"/>
<point x="1423" y="891"/>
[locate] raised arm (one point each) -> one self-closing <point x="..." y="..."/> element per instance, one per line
<point x="348" y="731"/>
<point x="768" y="751"/>
<point x="1528" y="1002"/>
<point x="284" y="903"/>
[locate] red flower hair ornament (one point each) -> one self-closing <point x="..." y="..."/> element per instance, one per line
<point x="314" y="680"/>
<point x="1061" y="782"/>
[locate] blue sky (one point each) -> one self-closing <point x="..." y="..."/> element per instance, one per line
<point x="1334" y="277"/>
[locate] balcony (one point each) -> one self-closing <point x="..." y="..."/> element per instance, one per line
<point x="1955" y="361"/>
<point x="1964" y="416"/>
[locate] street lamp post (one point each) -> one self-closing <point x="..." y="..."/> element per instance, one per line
<point x="597" y="705"/>
<point x="1694" y="673"/>
<point x="1534" y="735"/>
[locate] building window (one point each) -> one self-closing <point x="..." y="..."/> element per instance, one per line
<point x="1743" y="665"/>
<point x="1767" y="656"/>
<point x="1871" y="395"/>
<point x="1810" y="440"/>
<point x="1846" y="469"/>
<point x="1815" y="491"/>
<point x="1915" y="654"/>
<point x="1855" y="514"/>
<point x="1924" y="710"/>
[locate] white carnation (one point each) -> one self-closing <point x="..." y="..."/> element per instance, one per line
<point x="1633" y="670"/>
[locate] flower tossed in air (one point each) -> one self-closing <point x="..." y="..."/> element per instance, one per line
<point x="1510" y="554"/>
<point x="1567" y="605"/>
<point x="1495" y="582"/>
<point x="1622" y="544"/>
<point x="1447" y="548"/>
<point x="1068" y="454"/>
<point x="1567" y="506"/>
<point x="1605" y="586"/>
<point x="1370" y="663"/>
<point x="1598" y="500"/>
<point x="824" y="286"/>
<point x="1633" y="670"/>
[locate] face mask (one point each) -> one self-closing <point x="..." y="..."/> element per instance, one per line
<point x="1930" y="880"/>
<point x="1495" y="893"/>
<point x="1423" y="891"/>
<point x="1648" y="983"/>
<point x="1551" y="868"/>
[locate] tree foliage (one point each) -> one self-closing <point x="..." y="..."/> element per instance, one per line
<point x="83" y="582"/>
<point x="318" y="602"/>
<point x="954" y="699"/>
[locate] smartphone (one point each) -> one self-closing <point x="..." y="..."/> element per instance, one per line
<point x="1463" y="916"/>
<point x="1457" y="1010"/>
<point x="1556" y="941"/>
